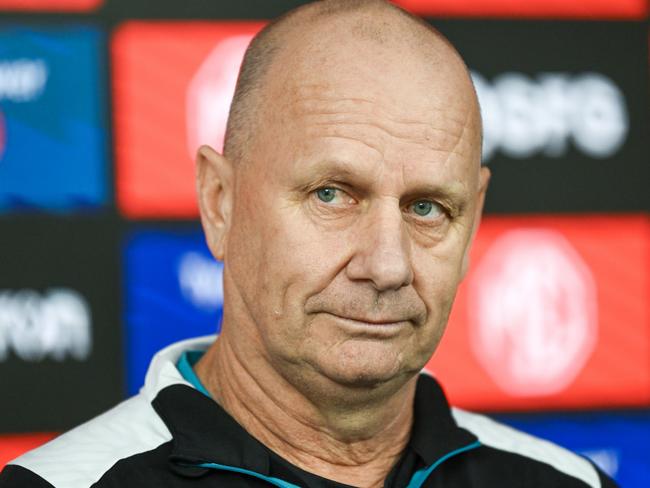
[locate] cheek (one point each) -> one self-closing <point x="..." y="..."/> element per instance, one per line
<point x="279" y="259"/>
<point x="300" y="265"/>
<point x="437" y="275"/>
<point x="250" y="254"/>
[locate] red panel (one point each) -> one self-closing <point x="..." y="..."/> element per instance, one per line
<point x="569" y="9"/>
<point x="12" y="446"/>
<point x="554" y="313"/>
<point x="173" y="83"/>
<point x="50" y="5"/>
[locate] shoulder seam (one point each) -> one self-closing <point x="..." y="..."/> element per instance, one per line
<point x="502" y="437"/>
<point x="129" y="429"/>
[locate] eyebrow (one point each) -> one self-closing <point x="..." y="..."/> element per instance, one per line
<point x="334" y="168"/>
<point x="454" y="192"/>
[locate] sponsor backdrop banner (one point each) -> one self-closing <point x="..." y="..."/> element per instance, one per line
<point x="539" y="322"/>
<point x="60" y="351"/>
<point x="263" y="9"/>
<point x="565" y="110"/>
<point x="553" y="313"/>
<point x="53" y="148"/>
<point x="192" y="67"/>
<point x="617" y="442"/>
<point x="50" y="5"/>
<point x="173" y="290"/>
<point x="560" y="9"/>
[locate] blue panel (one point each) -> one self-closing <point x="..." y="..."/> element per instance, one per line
<point x="618" y="443"/>
<point x="173" y="291"/>
<point x="52" y="119"/>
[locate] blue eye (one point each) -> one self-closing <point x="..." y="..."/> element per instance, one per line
<point x="426" y="208"/>
<point x="326" y="194"/>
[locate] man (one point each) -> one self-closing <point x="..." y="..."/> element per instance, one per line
<point x="343" y="209"/>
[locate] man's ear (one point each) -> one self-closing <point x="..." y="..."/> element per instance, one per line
<point x="214" y="186"/>
<point x="483" y="180"/>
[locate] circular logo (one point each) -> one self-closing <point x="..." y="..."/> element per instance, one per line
<point x="210" y="93"/>
<point x="533" y="312"/>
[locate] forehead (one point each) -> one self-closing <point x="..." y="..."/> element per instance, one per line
<point x="429" y="123"/>
<point x="368" y="102"/>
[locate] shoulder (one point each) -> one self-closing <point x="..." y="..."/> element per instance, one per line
<point x="80" y="457"/>
<point x="17" y="476"/>
<point x="532" y="452"/>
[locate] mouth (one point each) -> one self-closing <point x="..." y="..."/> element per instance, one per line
<point x="376" y="323"/>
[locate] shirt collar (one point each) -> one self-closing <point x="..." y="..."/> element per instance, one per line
<point x="163" y="372"/>
<point x="203" y="432"/>
<point x="435" y="432"/>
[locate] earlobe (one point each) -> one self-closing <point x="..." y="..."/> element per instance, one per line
<point x="214" y="180"/>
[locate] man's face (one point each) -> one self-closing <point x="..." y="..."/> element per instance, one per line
<point x="352" y="221"/>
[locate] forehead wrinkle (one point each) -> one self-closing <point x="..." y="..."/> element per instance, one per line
<point x="369" y="145"/>
<point x="432" y="139"/>
<point x="344" y="117"/>
<point x="309" y="98"/>
<point x="458" y="141"/>
<point x="325" y="92"/>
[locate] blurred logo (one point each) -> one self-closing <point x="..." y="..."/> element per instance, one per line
<point x="532" y="312"/>
<point x="210" y="93"/>
<point x="22" y="80"/>
<point x="39" y="70"/>
<point x="193" y="68"/>
<point x="524" y="117"/>
<point x="201" y="280"/>
<point x="606" y="459"/>
<point x="54" y="325"/>
<point x="173" y="291"/>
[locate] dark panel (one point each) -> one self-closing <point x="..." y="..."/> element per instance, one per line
<point x="199" y="9"/>
<point x="60" y="338"/>
<point x="576" y="114"/>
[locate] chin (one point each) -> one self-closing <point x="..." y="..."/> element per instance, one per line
<point x="362" y="367"/>
<point x="364" y="380"/>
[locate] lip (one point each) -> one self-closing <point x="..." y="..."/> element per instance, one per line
<point x="368" y="322"/>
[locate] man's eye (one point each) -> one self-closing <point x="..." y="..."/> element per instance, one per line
<point x="426" y="208"/>
<point x="326" y="194"/>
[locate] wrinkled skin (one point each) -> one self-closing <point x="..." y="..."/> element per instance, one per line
<point x="344" y="235"/>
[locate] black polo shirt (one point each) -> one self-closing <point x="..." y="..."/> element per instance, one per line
<point x="172" y="435"/>
<point x="210" y="433"/>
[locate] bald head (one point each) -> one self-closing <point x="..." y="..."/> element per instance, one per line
<point x="361" y="192"/>
<point x="307" y="35"/>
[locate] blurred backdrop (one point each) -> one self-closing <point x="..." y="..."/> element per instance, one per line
<point x="104" y="102"/>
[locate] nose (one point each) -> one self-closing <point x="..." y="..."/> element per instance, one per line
<point x="382" y="249"/>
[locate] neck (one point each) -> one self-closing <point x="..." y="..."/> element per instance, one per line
<point x="355" y="443"/>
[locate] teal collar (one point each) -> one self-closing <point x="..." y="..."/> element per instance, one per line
<point x="185" y="366"/>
